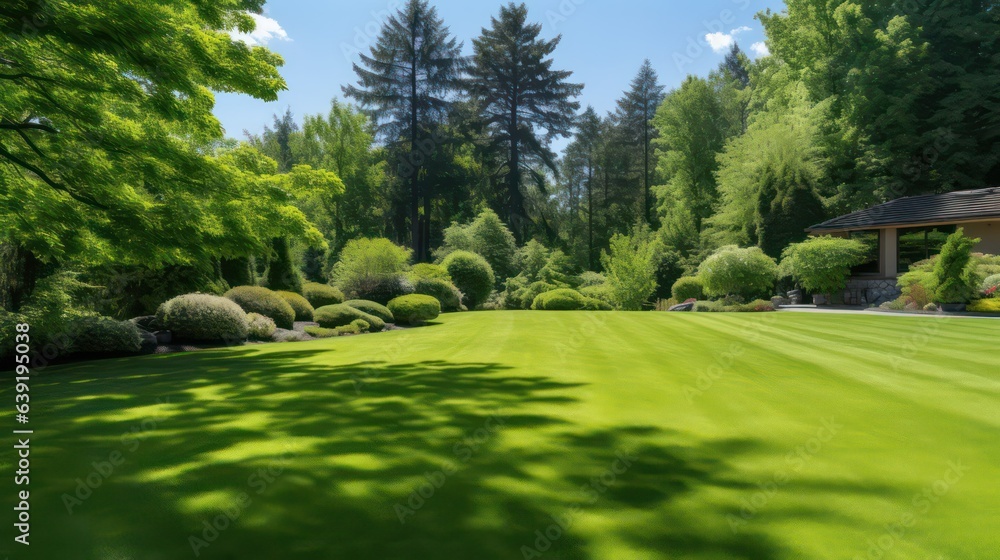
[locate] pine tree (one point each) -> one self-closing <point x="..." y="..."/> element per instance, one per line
<point x="520" y="95"/>
<point x="582" y="156"/>
<point x="276" y="143"/>
<point x="635" y="115"/>
<point x="406" y="83"/>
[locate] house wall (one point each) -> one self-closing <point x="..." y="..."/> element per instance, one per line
<point x="989" y="232"/>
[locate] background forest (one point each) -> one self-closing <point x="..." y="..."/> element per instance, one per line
<point x="118" y="185"/>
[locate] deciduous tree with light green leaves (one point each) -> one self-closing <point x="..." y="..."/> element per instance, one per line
<point x="822" y="264"/>
<point x="630" y="267"/>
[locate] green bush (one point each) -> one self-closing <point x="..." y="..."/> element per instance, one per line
<point x="339" y="315"/>
<point x="362" y="325"/>
<point x="282" y="274"/>
<point x="708" y="307"/>
<point x="299" y="304"/>
<point x="823" y="264"/>
<point x="261" y="327"/>
<point x="320" y="295"/>
<point x="567" y="299"/>
<point x="372" y="308"/>
<point x="289" y="336"/>
<point x="630" y="265"/>
<point x="525" y="297"/>
<point x="443" y="290"/>
<point x="991" y="305"/>
<point x="600" y="292"/>
<point x="415" y="308"/>
<point x="203" y="317"/>
<point x="254" y="299"/>
<point x="589" y="279"/>
<point x="349" y="329"/>
<point x="957" y="281"/>
<point x="320" y="332"/>
<point x="742" y="272"/>
<point x="372" y="269"/>
<point x="427" y="271"/>
<point x="103" y="335"/>
<point x="488" y="236"/>
<point x="472" y="275"/>
<point x="689" y="287"/>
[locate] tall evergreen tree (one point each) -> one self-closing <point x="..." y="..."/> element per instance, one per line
<point x="276" y="143"/>
<point x="582" y="155"/>
<point x="520" y="95"/>
<point x="406" y="84"/>
<point x="635" y="114"/>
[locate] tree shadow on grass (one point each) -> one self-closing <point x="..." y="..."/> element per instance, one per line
<point x="374" y="460"/>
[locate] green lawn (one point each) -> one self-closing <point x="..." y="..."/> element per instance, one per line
<point x="777" y="436"/>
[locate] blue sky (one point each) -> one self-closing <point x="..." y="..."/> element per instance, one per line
<point x="604" y="42"/>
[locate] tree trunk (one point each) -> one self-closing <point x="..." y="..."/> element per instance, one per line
<point x="415" y="241"/>
<point x="20" y="271"/>
<point x="590" y="214"/>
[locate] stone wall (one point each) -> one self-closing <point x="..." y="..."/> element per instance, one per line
<point x="863" y="291"/>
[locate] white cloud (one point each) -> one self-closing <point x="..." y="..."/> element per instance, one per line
<point x="760" y="49"/>
<point x="720" y="42"/>
<point x="267" y="30"/>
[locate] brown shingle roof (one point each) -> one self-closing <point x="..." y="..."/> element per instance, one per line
<point x="953" y="207"/>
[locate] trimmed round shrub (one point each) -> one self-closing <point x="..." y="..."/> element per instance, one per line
<point x="372" y="308"/>
<point x="472" y="275"/>
<point x="373" y="269"/>
<point x="284" y="335"/>
<point x="254" y="299"/>
<point x="349" y="329"/>
<point x="103" y="335"/>
<point x="686" y="288"/>
<point x="319" y="295"/>
<point x="361" y="325"/>
<point x="339" y="315"/>
<point x="203" y="317"/>
<point x="300" y="305"/>
<point x="594" y="304"/>
<point x="563" y="299"/>
<point x="985" y="306"/>
<point x="415" y="308"/>
<point x="261" y="327"/>
<point x="738" y="272"/>
<point x="992" y="285"/>
<point x="320" y="332"/>
<point x="442" y="290"/>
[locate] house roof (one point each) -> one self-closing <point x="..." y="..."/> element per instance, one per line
<point x="953" y="207"/>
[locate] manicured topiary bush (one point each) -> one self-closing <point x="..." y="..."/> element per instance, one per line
<point x="333" y="316"/>
<point x="261" y="327"/>
<point x="319" y="295"/>
<point x="203" y="317"/>
<point x="415" y="308"/>
<point x="566" y="299"/>
<point x="300" y="305"/>
<point x="738" y="272"/>
<point x="321" y="332"/>
<point x="442" y="290"/>
<point x="957" y="281"/>
<point x="600" y="292"/>
<point x="372" y="308"/>
<point x="689" y="287"/>
<point x="362" y="325"/>
<point x="103" y="335"/>
<point x="472" y="275"/>
<point x="254" y="299"/>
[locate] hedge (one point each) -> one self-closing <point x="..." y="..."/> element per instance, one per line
<point x="444" y="291"/>
<point x="319" y="295"/>
<point x="415" y="308"/>
<point x="339" y="315"/>
<point x="103" y="335"/>
<point x="203" y="317"/>
<point x="372" y="308"/>
<point x="566" y="299"/>
<point x="254" y="299"/>
<point x="689" y="287"/>
<point x="300" y="305"/>
<point x="261" y="327"/>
